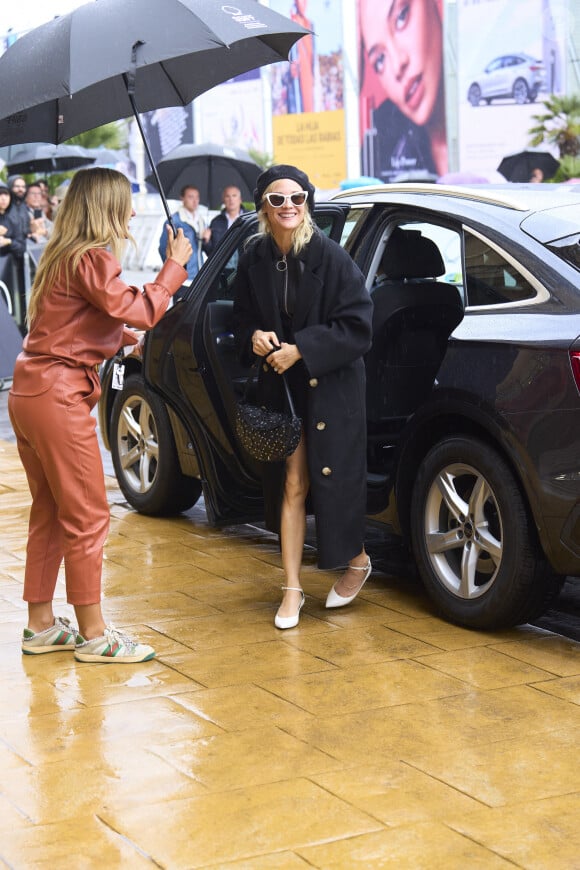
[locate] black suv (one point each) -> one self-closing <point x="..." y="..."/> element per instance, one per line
<point x="473" y="390"/>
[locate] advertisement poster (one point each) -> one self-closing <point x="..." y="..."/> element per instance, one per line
<point x="402" y="90"/>
<point x="307" y="94"/>
<point x="232" y="113"/>
<point x="510" y="57"/>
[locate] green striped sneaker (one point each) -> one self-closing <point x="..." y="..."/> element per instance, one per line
<point x="112" y="646"/>
<point x="60" y="636"/>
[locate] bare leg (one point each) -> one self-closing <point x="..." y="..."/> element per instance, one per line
<point x="293" y="526"/>
<point x="90" y="620"/>
<point x="89" y="617"/>
<point x="40" y="616"/>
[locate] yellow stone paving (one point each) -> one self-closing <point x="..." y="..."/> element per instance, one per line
<point x="379" y="736"/>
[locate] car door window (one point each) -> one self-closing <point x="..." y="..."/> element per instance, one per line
<point x="492" y="279"/>
<point x="447" y="242"/>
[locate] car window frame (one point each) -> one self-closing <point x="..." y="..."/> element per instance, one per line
<point x="542" y="294"/>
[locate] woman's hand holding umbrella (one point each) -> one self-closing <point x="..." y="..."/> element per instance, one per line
<point x="179" y="248"/>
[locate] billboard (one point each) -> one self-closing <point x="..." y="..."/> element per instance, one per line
<point x="510" y="56"/>
<point x="233" y="113"/>
<point x="308" y="123"/>
<point x="402" y="89"/>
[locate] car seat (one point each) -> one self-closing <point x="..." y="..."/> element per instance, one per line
<point x="414" y="315"/>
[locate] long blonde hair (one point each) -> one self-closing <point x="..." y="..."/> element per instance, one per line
<point x="93" y="214"/>
<point x="300" y="236"/>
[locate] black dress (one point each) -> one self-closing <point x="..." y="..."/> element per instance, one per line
<point x="288" y="271"/>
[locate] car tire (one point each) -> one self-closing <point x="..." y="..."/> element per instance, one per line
<point x="473" y="539"/>
<point x="520" y="92"/>
<point x="144" y="453"/>
<point x="474" y="94"/>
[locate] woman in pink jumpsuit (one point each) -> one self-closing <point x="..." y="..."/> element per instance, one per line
<point x="77" y="314"/>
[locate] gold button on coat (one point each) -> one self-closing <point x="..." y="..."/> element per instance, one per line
<point x="265" y="367"/>
<point x="313" y="382"/>
<point x="326" y="471"/>
<point x="321" y="426"/>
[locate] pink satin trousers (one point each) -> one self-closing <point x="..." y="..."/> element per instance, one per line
<point x="69" y="516"/>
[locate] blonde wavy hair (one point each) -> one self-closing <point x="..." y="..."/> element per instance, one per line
<point x="94" y="213"/>
<point x="300" y="236"/>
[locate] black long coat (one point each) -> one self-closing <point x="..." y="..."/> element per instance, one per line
<point x="332" y="326"/>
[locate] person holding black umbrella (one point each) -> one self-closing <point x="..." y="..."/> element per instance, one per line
<point x="77" y="311"/>
<point x="191" y="217"/>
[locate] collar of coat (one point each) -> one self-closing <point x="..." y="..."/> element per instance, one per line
<point x="194" y="220"/>
<point x="262" y="274"/>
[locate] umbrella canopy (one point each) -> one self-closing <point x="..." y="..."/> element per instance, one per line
<point x="518" y="167"/>
<point x="105" y="156"/>
<point x="210" y="168"/>
<point x="75" y="72"/>
<point x="109" y="59"/>
<point x="44" y="157"/>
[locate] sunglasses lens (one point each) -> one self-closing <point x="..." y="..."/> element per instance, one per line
<point x="277" y="200"/>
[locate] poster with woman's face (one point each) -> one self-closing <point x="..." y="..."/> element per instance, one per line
<point x="402" y="98"/>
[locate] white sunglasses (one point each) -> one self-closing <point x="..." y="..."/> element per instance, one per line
<point x="277" y="200"/>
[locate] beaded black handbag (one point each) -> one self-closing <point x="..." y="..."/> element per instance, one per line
<point x="269" y="436"/>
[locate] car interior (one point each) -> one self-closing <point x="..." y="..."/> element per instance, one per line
<point x="415" y="312"/>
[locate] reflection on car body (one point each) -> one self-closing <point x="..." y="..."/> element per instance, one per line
<point x="473" y="391"/>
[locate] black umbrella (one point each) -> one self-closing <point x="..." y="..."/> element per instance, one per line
<point x="109" y="59"/>
<point x="105" y="156"/>
<point x="518" y="167"/>
<point x="44" y="157"/>
<point x="210" y="168"/>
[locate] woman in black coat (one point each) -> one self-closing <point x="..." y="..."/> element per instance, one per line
<point x="302" y="306"/>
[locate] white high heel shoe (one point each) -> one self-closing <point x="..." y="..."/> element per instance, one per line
<point x="290" y="621"/>
<point x="335" y="600"/>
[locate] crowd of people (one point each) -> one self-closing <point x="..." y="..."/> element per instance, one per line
<point x="27" y="214"/>
<point x="193" y="218"/>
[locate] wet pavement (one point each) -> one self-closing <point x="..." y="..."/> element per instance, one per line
<point x="375" y="736"/>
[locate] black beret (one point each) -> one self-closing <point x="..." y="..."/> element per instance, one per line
<point x="4" y="188"/>
<point x="276" y="173"/>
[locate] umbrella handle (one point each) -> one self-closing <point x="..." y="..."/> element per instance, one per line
<point x="131" y="95"/>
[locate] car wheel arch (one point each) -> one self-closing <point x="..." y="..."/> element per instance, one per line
<point x="145" y="453"/>
<point x="432" y="429"/>
<point x="132" y="367"/>
<point x="473" y="539"/>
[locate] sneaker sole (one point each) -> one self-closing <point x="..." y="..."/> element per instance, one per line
<point x="40" y="650"/>
<point x="111" y="660"/>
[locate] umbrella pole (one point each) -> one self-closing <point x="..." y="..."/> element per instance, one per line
<point x="130" y="83"/>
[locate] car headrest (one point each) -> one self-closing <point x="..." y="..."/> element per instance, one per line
<point x="408" y="254"/>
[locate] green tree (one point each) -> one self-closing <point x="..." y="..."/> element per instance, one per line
<point x="559" y="125"/>
<point x="112" y="136"/>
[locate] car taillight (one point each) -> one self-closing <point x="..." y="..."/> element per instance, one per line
<point x="535" y="68"/>
<point x="575" y="362"/>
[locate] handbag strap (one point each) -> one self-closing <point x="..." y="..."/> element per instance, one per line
<point x="289" y="399"/>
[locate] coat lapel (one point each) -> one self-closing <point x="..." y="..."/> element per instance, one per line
<point x="310" y="285"/>
<point x="262" y="279"/>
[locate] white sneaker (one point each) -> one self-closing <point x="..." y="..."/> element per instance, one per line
<point x="112" y="646"/>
